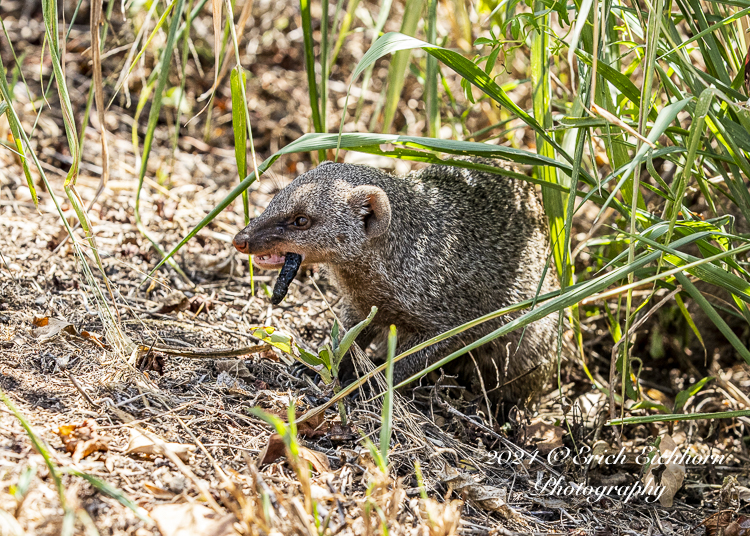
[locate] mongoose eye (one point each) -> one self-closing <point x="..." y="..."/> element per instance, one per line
<point x="302" y="222"/>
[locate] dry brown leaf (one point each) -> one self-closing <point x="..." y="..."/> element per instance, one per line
<point x="192" y="520"/>
<point x="543" y="436"/>
<point x="174" y="301"/>
<point x="47" y="328"/>
<point x="341" y="434"/>
<point x="739" y="527"/>
<point x="93" y="337"/>
<point x="717" y="523"/>
<point x="318" y="460"/>
<point x="81" y="440"/>
<point x="140" y="444"/>
<point x="233" y="367"/>
<point x="313" y="428"/>
<point x="486" y="497"/>
<point x="672" y="473"/>
<point x="274" y="449"/>
<point x="148" y="361"/>
<point x="729" y="495"/>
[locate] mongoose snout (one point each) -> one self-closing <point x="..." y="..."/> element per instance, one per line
<point x="432" y="251"/>
<point x="265" y="242"/>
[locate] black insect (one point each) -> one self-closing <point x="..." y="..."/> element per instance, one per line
<point x="292" y="263"/>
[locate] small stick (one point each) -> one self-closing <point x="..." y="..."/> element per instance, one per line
<point x="62" y="364"/>
<point x="211" y="353"/>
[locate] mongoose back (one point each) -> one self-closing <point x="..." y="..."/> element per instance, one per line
<point x="431" y="250"/>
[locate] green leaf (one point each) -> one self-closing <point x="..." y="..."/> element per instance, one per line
<point x="647" y="404"/>
<point x="483" y="41"/>
<point x="274" y="337"/>
<point x="683" y="396"/>
<point x="326" y="355"/>
<point x="351" y="335"/>
<point x="310" y="358"/>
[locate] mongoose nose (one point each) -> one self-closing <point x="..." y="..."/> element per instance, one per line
<point x="240" y="243"/>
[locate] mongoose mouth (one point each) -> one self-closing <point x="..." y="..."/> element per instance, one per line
<point x="270" y="261"/>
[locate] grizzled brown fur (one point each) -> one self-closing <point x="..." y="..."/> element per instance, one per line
<point x="431" y="250"/>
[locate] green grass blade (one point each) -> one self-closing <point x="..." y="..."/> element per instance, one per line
<point x="154" y="32"/>
<point x="432" y="76"/>
<point x="399" y="63"/>
<point x="664" y="119"/>
<point x="111" y="491"/>
<point x="385" y="9"/>
<point x="346" y="24"/>
<point x="735" y="16"/>
<point x="153" y="119"/>
<point x="387" y="422"/>
<point x="554" y="200"/>
<point x="40" y="446"/>
<point x="15" y="131"/>
<point x="697" y="126"/>
<point x="714" y="316"/>
<point x="680" y="417"/>
<point x="239" y="126"/>
<point x="312" y="84"/>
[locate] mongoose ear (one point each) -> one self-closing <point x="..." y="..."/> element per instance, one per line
<point x="372" y="205"/>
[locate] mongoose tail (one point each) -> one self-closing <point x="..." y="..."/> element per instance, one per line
<point x="432" y="251"/>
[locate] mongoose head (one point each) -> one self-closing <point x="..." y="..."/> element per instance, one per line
<point x="328" y="215"/>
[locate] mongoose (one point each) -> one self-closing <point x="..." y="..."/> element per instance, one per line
<point x="431" y="250"/>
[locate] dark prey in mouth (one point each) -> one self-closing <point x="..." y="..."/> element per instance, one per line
<point x="292" y="263"/>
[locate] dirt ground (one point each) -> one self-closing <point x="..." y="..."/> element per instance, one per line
<point x="108" y="413"/>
